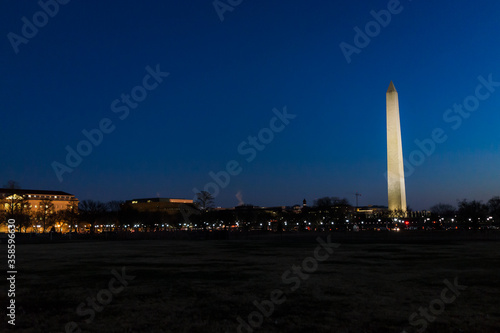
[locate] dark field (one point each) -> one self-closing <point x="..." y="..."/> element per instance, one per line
<point x="204" y="286"/>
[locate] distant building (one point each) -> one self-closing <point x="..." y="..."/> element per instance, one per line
<point x="163" y="205"/>
<point x="382" y="211"/>
<point x="60" y="199"/>
<point x="372" y="211"/>
<point x="12" y="199"/>
<point x="164" y="212"/>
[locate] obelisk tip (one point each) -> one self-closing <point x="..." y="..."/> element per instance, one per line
<point x="391" y="88"/>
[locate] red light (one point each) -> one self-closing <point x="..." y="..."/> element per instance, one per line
<point x="407" y="222"/>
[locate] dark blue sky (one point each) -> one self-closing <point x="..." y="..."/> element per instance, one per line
<point x="225" y="78"/>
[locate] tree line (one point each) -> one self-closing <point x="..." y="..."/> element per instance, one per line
<point x="469" y="212"/>
<point x="327" y="213"/>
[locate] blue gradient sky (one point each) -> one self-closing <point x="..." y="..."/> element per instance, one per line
<point x="225" y="79"/>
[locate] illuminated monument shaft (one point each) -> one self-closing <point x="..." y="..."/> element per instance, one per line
<point x="395" y="169"/>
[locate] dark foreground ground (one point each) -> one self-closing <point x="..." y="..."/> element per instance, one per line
<point x="204" y="286"/>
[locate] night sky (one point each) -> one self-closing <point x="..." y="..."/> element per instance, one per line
<point x="224" y="80"/>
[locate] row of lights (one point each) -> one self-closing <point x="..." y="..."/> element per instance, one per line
<point x="237" y="223"/>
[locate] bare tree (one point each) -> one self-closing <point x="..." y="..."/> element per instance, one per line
<point x="494" y="208"/>
<point x="12" y="203"/>
<point x="12" y="185"/>
<point x="331" y="202"/>
<point x="45" y="213"/>
<point x="329" y="209"/>
<point x="323" y="202"/>
<point x="70" y="214"/>
<point x="24" y="216"/>
<point x="472" y="212"/>
<point x="205" y="200"/>
<point x="16" y="206"/>
<point x="443" y="210"/>
<point x="114" y="212"/>
<point x="91" y="211"/>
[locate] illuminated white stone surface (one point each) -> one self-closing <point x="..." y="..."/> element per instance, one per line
<point x="395" y="169"/>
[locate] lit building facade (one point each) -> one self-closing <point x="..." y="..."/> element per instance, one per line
<point x="164" y="205"/>
<point x="12" y="199"/>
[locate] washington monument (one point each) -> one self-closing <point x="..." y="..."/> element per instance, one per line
<point x="395" y="169"/>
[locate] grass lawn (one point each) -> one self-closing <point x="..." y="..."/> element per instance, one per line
<point x="204" y="286"/>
